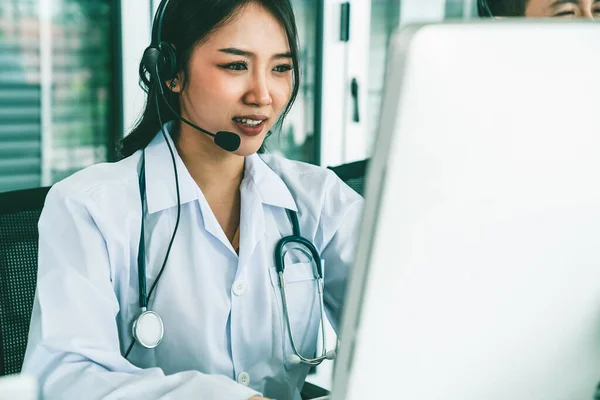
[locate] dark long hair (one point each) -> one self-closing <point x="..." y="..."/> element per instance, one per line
<point x="186" y="24"/>
<point x="502" y="8"/>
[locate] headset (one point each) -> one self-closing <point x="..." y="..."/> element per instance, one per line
<point x="159" y="61"/>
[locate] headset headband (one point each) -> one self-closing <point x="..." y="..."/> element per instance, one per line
<point x="158" y="23"/>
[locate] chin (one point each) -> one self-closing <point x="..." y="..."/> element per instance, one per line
<point x="249" y="145"/>
<point x="247" y="149"/>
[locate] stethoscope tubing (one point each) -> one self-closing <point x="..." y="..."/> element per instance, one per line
<point x="296" y="238"/>
<point x="310" y="361"/>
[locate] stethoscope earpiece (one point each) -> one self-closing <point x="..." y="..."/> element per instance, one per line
<point x="296" y="360"/>
<point x="330" y="355"/>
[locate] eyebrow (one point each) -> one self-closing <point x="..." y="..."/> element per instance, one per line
<point x="239" y="52"/>
<point x="559" y="3"/>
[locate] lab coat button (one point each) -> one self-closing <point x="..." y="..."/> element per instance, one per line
<point x="239" y="287"/>
<point x="243" y="378"/>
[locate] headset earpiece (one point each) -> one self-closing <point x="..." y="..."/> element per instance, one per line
<point x="164" y="58"/>
<point x="150" y="60"/>
<point x="168" y="61"/>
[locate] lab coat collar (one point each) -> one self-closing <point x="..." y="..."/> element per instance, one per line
<point x="160" y="178"/>
<point x="260" y="186"/>
<point x="160" y="185"/>
<point x="268" y="184"/>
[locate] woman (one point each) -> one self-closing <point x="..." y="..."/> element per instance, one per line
<point x="210" y="227"/>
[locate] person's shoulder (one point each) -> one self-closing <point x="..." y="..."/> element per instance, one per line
<point x="100" y="181"/>
<point x="313" y="184"/>
<point x="300" y="173"/>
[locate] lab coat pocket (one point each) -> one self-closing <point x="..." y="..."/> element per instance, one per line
<point x="302" y="309"/>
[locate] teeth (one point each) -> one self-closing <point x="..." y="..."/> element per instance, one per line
<point x="249" y="122"/>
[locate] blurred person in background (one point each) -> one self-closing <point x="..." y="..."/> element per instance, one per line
<point x="589" y="9"/>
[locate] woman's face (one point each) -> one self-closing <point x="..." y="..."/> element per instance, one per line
<point x="563" y="8"/>
<point x="240" y="79"/>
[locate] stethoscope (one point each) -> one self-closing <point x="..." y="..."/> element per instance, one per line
<point x="317" y="263"/>
<point x="148" y="328"/>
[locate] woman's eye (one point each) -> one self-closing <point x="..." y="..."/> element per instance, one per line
<point x="565" y="14"/>
<point x="237" y="66"/>
<point x="282" y="68"/>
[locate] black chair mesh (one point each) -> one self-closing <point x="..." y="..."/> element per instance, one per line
<point x="19" y="214"/>
<point x="358" y="184"/>
<point x="18" y="273"/>
<point x="353" y="174"/>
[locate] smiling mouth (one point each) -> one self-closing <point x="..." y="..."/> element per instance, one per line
<point x="249" y="122"/>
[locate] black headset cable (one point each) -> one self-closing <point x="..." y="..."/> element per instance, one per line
<point x="162" y="268"/>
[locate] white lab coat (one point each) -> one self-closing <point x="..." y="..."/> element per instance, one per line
<point x="222" y="312"/>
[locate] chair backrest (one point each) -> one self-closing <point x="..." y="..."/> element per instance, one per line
<point x="353" y="174"/>
<point x="19" y="214"/>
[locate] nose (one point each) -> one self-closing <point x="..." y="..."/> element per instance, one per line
<point x="258" y="93"/>
<point x="588" y="15"/>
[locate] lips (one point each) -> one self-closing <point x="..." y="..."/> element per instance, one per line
<point x="250" y="125"/>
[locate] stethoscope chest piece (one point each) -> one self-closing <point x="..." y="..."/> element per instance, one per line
<point x="148" y="330"/>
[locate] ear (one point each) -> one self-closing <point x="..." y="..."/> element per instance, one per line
<point x="175" y="84"/>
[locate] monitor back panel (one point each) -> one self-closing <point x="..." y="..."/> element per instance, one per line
<point x="478" y="269"/>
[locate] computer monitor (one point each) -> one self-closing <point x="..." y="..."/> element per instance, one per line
<point x="478" y="268"/>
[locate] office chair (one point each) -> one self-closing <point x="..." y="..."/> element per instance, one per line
<point x="353" y="174"/>
<point x="19" y="214"/>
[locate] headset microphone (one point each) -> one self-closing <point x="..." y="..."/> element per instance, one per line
<point x="226" y="140"/>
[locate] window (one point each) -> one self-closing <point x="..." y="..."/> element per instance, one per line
<point x="20" y="96"/>
<point x="298" y="137"/>
<point x="386" y="16"/>
<point x="58" y="104"/>
<point x="84" y="131"/>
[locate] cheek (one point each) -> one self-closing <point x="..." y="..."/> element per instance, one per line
<point x="212" y="85"/>
<point x="537" y="8"/>
<point x="281" y="91"/>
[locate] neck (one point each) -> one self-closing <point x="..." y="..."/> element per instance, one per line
<point x="215" y="171"/>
